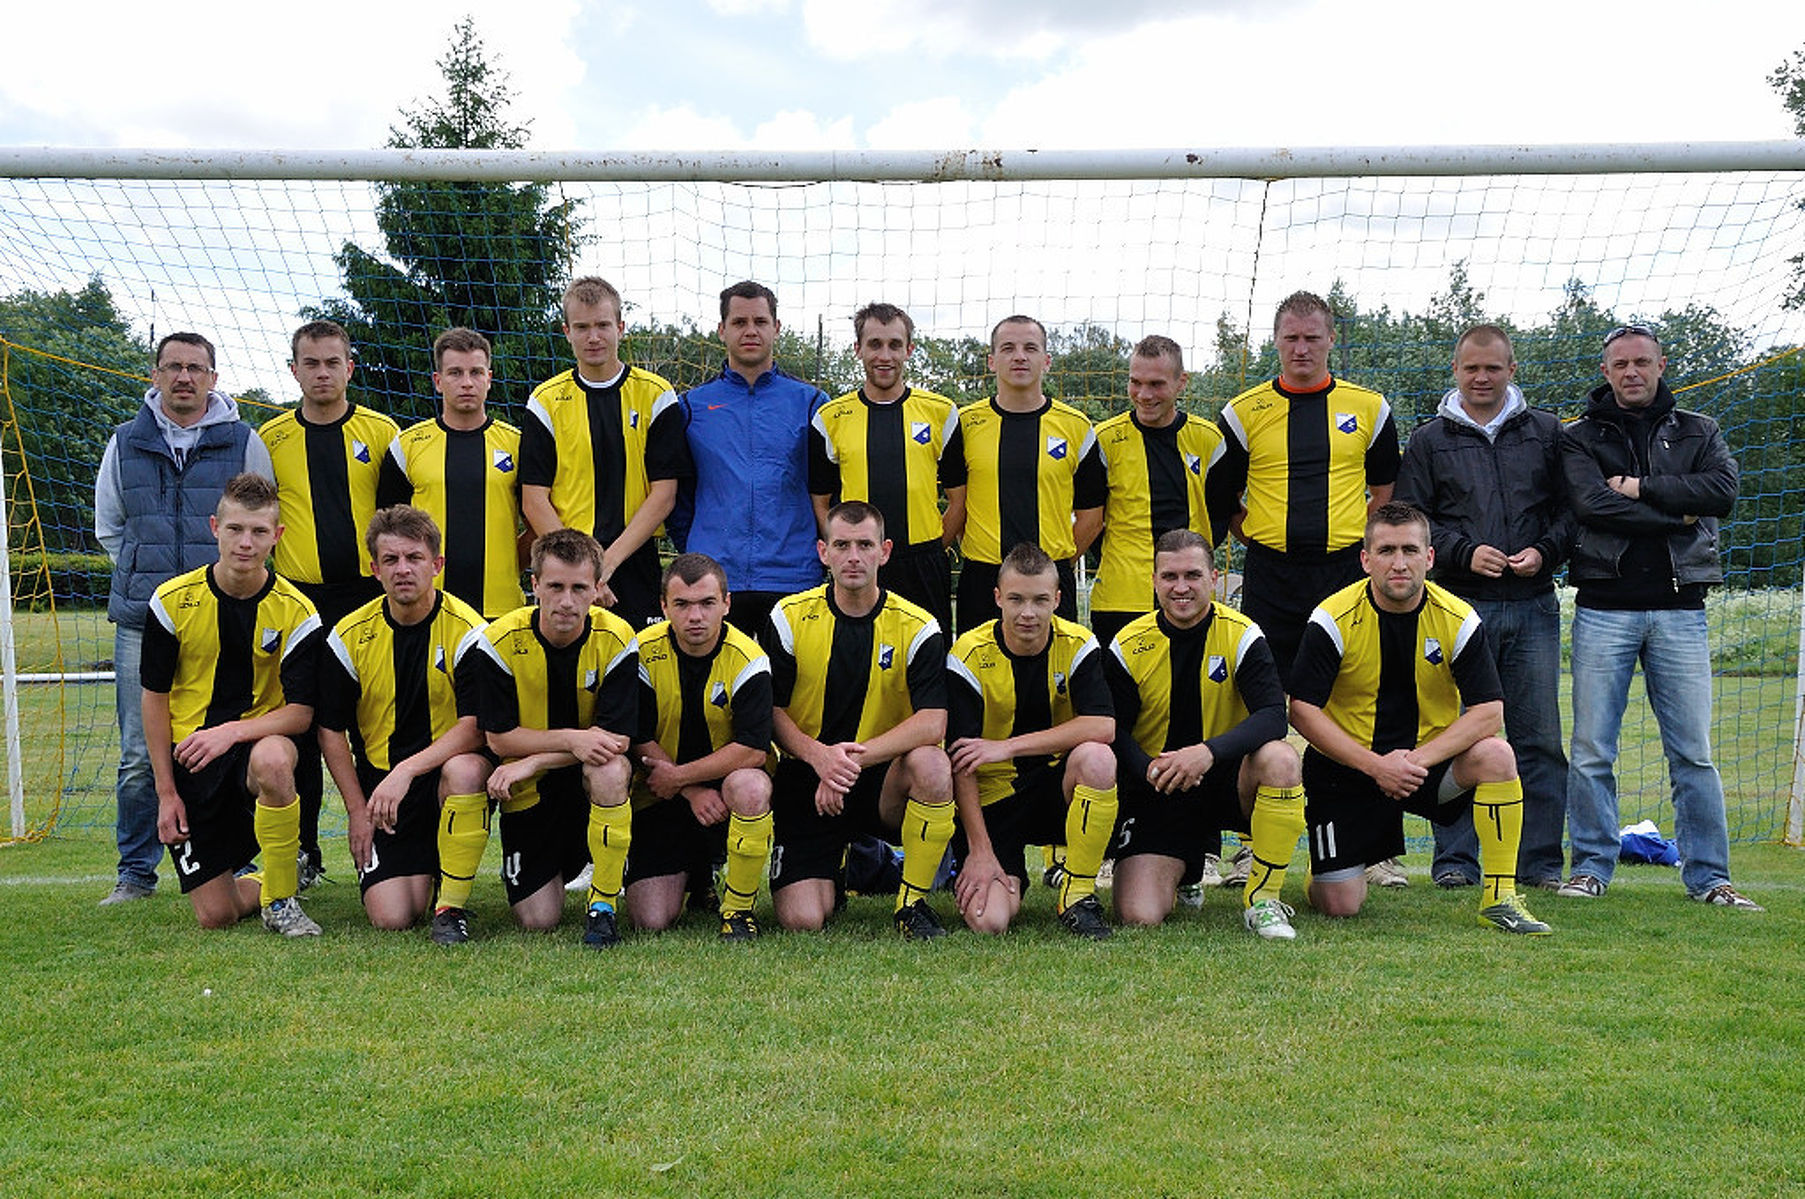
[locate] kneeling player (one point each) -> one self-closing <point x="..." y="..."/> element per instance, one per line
<point x="705" y="713"/>
<point x="391" y="677"/>
<point x="1383" y="672"/>
<point x="558" y="697"/>
<point x="230" y="658"/>
<point x="1029" y="724"/>
<point x="1200" y="726"/>
<point x="858" y="677"/>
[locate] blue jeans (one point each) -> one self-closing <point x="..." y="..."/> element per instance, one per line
<point x="1525" y="639"/>
<point x="136" y="827"/>
<point x="1676" y="672"/>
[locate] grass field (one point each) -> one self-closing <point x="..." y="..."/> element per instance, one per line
<point x="1650" y="1047"/>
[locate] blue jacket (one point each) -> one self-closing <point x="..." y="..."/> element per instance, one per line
<point x="748" y="506"/>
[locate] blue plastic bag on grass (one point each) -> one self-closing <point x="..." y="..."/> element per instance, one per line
<point x="1643" y="844"/>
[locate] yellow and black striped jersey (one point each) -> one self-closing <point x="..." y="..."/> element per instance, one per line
<point x="1393" y="680"/>
<point x="468" y="481"/>
<point x="600" y="447"/>
<point x="1159" y="480"/>
<point x="1212" y="684"/>
<point x="326" y="476"/>
<point x="897" y="456"/>
<point x="523" y="681"/>
<point x="692" y="705"/>
<point x="220" y="658"/>
<point x="994" y="694"/>
<point x="1306" y="460"/>
<point x="849" y="678"/>
<point x="394" y="688"/>
<point x="1055" y="447"/>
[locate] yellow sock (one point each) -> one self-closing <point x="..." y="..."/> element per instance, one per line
<point x="926" y="829"/>
<point x="463" y="838"/>
<point x="748" y="849"/>
<point x="1498" y="819"/>
<point x="1277" y="823"/>
<point x="279" y="837"/>
<point x="1090" y="820"/>
<point x="610" y="833"/>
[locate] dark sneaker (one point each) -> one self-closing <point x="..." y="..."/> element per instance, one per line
<point x="739" y="926"/>
<point x="308" y="871"/>
<point x="600" y="930"/>
<point x="286" y="917"/>
<point x="917" y="922"/>
<point x="124" y="892"/>
<point x="1239" y="867"/>
<point x="1085" y="919"/>
<point x="450" y="926"/>
<point x="1582" y="886"/>
<point x="1723" y="895"/>
<point x="1511" y="916"/>
<point x="1053" y="876"/>
<point x="1454" y="880"/>
<point x="1550" y="882"/>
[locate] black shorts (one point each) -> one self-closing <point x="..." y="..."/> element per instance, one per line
<point x="751" y="610"/>
<point x="635" y="586"/>
<point x="335" y="601"/>
<point x="546" y="841"/>
<point x="222" y="828"/>
<point x="1279" y="591"/>
<point x="1185" y="825"/>
<point x="1352" y="824"/>
<point x="668" y="839"/>
<point x="1107" y="624"/>
<point x="923" y="575"/>
<point x="1034" y="815"/>
<point x="977" y="601"/>
<point x="806" y="844"/>
<point x="413" y="848"/>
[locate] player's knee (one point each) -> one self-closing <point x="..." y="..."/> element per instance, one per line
<point x="1491" y="760"/>
<point x="1143" y="910"/>
<point x="273" y="766"/>
<point x="1093" y="764"/>
<point x="930" y="774"/>
<point x="215" y="917"/>
<point x="392" y="918"/>
<point x="466" y="774"/>
<point x="653" y="918"/>
<point x="1276" y="764"/>
<point x="607" y="784"/>
<point x="747" y="793"/>
<point x="535" y="921"/>
<point x="1337" y="899"/>
<point x="993" y="922"/>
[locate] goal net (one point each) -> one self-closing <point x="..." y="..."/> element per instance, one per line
<point x="93" y="268"/>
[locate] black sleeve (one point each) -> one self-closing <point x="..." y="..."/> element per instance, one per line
<point x="1090" y="488"/>
<point x="1132" y="761"/>
<point x="1222" y="494"/>
<point x="964" y="708"/>
<point x="783" y="665"/>
<point x="1476" y="672"/>
<point x="927" y="674"/>
<point x="752" y="713"/>
<point x="1316" y="666"/>
<point x="392" y="484"/>
<point x="1257" y="679"/>
<point x="617" y="700"/>
<point x="1382" y="455"/>
<point x="338" y="691"/>
<point x="953" y="469"/>
<point x="667" y="447"/>
<point x="648" y="712"/>
<point x="823" y="471"/>
<point x="497" y="703"/>
<point x="467" y="682"/>
<point x="538" y="453"/>
<point x="157" y="661"/>
<point x="301" y="668"/>
<point x="1709" y="489"/>
<point x="1233" y="465"/>
<point x="1089" y="688"/>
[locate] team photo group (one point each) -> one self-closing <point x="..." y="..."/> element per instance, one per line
<point x="869" y="635"/>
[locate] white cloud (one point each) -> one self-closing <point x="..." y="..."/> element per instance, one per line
<point x="748" y="8"/>
<point x="942" y="123"/>
<point x="679" y="128"/>
<point x="799" y="130"/>
<point x="1002" y="29"/>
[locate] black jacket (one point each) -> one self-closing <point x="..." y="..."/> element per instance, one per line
<point x="1508" y="494"/>
<point x="1689" y="471"/>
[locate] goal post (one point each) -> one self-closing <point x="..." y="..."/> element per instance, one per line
<point x="103" y="250"/>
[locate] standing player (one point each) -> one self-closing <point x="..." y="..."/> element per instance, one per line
<point x="462" y="468"/>
<point x="1397" y="694"/>
<point x="1032" y="471"/>
<point x="558" y="696"/>
<point x="897" y="448"/>
<point x="1029" y="724"/>
<point x="1200" y="728"/>
<point x="603" y="452"/>
<point x="328" y="455"/>
<point x="390" y="678"/>
<point x="1164" y="471"/>
<point x="230" y="657"/>
<point x="705" y="732"/>
<point x="859" y="680"/>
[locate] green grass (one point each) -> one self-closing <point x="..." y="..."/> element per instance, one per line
<point x="1650" y="1047"/>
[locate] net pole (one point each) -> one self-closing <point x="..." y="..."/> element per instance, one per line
<point x="9" y="665"/>
<point x="1795" y="805"/>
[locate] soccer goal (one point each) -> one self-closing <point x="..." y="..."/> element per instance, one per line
<point x="101" y="252"/>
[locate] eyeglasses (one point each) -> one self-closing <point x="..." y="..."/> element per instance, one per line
<point x="1631" y="331"/>
<point x="179" y="369"/>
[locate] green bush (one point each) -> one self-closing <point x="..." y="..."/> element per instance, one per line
<point x="75" y="579"/>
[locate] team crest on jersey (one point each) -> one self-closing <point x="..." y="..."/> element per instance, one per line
<point x="633" y="419"/>
<point x="1194" y="464"/>
<point x="920" y="432"/>
<point x="1059" y="682"/>
<point x="359" y="450"/>
<point x="504" y="461"/>
<point x="438" y="658"/>
<point x="269" y="639"/>
<point x="1218" y="669"/>
<point x="718" y="695"/>
<point x="1432" y="651"/>
<point x="1056" y="448"/>
<point x="1347" y="422"/>
<point x="886" y="654"/>
<point x="591" y="679"/>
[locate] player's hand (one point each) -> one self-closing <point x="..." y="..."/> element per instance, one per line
<point x="203" y="745"/>
<point x="503" y="778"/>
<point x="1526" y="562"/>
<point x="1490" y="561"/>
<point x="360" y="832"/>
<point x="172" y="820"/>
<point x="594" y="746"/>
<point x="969" y="753"/>
<point x="605" y="597"/>
<point x="828" y="801"/>
<point x="838" y="765"/>
<point x="1180" y="769"/>
<point x="707" y="804"/>
<point x="1398" y="773"/>
<point x="384" y="806"/>
<point x="978" y="873"/>
<point x="661" y="778"/>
